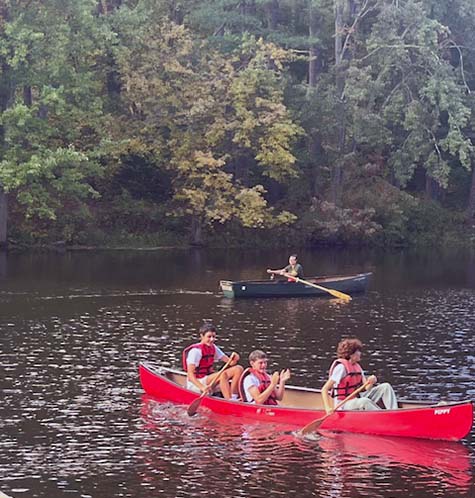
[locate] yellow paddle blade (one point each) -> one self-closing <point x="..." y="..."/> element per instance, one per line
<point x="333" y="292"/>
<point x="339" y="295"/>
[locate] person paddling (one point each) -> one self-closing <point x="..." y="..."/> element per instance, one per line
<point x="198" y="360"/>
<point x="293" y="268"/>
<point x="346" y="375"/>
<point x="257" y="386"/>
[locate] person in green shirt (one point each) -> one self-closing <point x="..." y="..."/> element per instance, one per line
<point x="293" y="268"/>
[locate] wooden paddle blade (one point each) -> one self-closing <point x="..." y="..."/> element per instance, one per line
<point x="193" y="408"/>
<point x="339" y="295"/>
<point x="313" y="426"/>
<point x="333" y="292"/>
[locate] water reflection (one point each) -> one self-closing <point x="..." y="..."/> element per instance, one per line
<point x="443" y="465"/>
<point x="3" y="264"/>
<point x="266" y="458"/>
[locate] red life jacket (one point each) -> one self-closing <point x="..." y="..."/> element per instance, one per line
<point x="350" y="382"/>
<point x="264" y="383"/>
<point x="207" y="359"/>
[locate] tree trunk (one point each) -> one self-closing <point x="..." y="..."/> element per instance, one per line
<point x="3" y="218"/>
<point x="433" y="191"/>
<point x="196" y="231"/>
<point x="471" y="199"/>
<point x="27" y="97"/>
<point x="315" y="150"/>
<point x="340" y="107"/>
<point x="345" y="10"/>
<point x="314" y="68"/>
<point x="272" y="12"/>
<point x="314" y="63"/>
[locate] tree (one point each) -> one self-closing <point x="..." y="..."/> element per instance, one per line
<point x="51" y="105"/>
<point x="403" y="84"/>
<point x="204" y="115"/>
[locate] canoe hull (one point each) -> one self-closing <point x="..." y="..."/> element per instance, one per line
<point x="449" y="422"/>
<point x="273" y="288"/>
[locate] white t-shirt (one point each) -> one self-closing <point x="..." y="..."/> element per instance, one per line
<point x="249" y="381"/>
<point x="338" y="373"/>
<point x="194" y="357"/>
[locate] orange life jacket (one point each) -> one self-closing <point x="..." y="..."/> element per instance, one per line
<point x="264" y="383"/>
<point x="350" y="382"/>
<point x="205" y="366"/>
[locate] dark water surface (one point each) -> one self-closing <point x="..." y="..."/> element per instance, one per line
<point x="75" y="421"/>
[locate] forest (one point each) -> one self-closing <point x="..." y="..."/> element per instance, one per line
<point x="143" y="123"/>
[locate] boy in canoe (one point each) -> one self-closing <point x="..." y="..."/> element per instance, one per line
<point x="346" y="375"/>
<point x="198" y="360"/>
<point x="293" y="268"/>
<point x="257" y="386"/>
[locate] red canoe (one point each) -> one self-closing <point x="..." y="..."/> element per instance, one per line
<point x="300" y="406"/>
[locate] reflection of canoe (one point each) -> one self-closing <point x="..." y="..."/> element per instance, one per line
<point x="452" y="459"/>
<point x="277" y="288"/>
<point x="445" y="455"/>
<point x="300" y="406"/>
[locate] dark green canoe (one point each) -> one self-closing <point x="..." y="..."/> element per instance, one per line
<point x="350" y="284"/>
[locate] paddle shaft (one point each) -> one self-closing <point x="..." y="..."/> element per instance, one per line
<point x="312" y="426"/>
<point x="335" y="293"/>
<point x="192" y="409"/>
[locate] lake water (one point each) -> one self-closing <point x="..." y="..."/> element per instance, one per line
<point x="76" y="423"/>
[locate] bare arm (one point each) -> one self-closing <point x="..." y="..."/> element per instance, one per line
<point x="278" y="272"/>
<point x="190" y="371"/>
<point x="261" y="398"/>
<point x="235" y="360"/>
<point x="327" y="400"/>
<point x="283" y="378"/>
<point x="371" y="380"/>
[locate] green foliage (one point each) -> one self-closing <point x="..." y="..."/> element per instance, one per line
<point x="136" y="117"/>
<point x="51" y="119"/>
<point x="410" y="89"/>
<point x="422" y="224"/>
<point x="326" y="223"/>
<point x="214" y="112"/>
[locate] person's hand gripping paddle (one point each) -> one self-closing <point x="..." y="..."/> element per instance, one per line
<point x="193" y="408"/>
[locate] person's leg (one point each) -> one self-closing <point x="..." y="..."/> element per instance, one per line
<point x="383" y="392"/>
<point x="360" y="404"/>
<point x="192" y="387"/>
<point x="230" y="375"/>
<point x="235" y="376"/>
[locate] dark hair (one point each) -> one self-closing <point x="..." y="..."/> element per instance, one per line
<point x="207" y="327"/>
<point x="257" y="354"/>
<point x="347" y="347"/>
<point x="293" y="256"/>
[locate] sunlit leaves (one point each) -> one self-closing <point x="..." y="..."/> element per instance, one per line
<point x="208" y="112"/>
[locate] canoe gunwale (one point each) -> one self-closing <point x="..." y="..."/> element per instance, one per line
<point x="314" y="279"/>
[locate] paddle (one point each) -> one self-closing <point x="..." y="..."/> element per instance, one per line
<point x="338" y="294"/>
<point x="313" y="426"/>
<point x="193" y="408"/>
